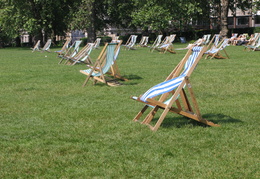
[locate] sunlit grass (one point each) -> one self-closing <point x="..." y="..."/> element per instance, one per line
<point x="52" y="127"/>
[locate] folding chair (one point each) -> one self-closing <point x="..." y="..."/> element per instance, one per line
<point x="82" y="56"/>
<point x="131" y="42"/>
<point x="215" y="51"/>
<point x="71" y="52"/>
<point x="64" y="48"/>
<point x="213" y="42"/>
<point x="256" y="45"/>
<point x="156" y="43"/>
<point x="97" y="43"/>
<point x="37" y="46"/>
<point x="172" y="91"/>
<point x="47" y="46"/>
<point x="101" y="66"/>
<point x="114" y="70"/>
<point x="166" y="45"/>
<point x="143" y="42"/>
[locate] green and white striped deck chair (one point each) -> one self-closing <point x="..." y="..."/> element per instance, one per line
<point x="101" y="66"/>
<point x="97" y="43"/>
<point x="83" y="56"/>
<point x="46" y="47"/>
<point x="71" y="52"/>
<point x="37" y="46"/>
<point x="64" y="48"/>
<point x="173" y="91"/>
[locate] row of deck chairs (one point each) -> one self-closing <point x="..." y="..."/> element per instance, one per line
<point x="255" y="44"/>
<point x="46" y="47"/>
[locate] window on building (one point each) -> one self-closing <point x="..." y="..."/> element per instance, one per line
<point x="242" y="20"/>
<point x="257" y="19"/>
<point x="230" y="21"/>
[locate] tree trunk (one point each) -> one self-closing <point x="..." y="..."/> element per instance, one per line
<point x="91" y="30"/>
<point x="223" y="18"/>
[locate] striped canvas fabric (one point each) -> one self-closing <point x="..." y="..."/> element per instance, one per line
<point x="171" y="84"/>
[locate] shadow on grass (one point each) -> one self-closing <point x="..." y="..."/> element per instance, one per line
<point x="179" y="121"/>
<point x="133" y="77"/>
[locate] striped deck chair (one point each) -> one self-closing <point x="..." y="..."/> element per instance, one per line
<point x="213" y="42"/>
<point x="131" y="42"/>
<point x="143" y="42"/>
<point x="101" y="66"/>
<point x="167" y="44"/>
<point x="114" y="70"/>
<point x="156" y="43"/>
<point x="71" y="52"/>
<point x="82" y="56"/>
<point x="37" y="46"/>
<point x="173" y="91"/>
<point x="97" y="43"/>
<point x="215" y="51"/>
<point x="46" y="47"/>
<point x="256" y="45"/>
<point x="206" y="39"/>
<point x="64" y="48"/>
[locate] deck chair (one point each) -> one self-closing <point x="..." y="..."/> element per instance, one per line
<point x="156" y="43"/>
<point x="213" y="42"/>
<point x="97" y="43"/>
<point x="46" y="47"/>
<point x="64" y="48"/>
<point x="131" y="42"/>
<point x="37" y="46"/>
<point x="143" y="42"/>
<point x="172" y="91"/>
<point x="114" y="70"/>
<point x="71" y="52"/>
<point x="215" y="51"/>
<point x="255" y="46"/>
<point x="166" y="45"/>
<point x="206" y="39"/>
<point x="83" y="56"/>
<point x="102" y="65"/>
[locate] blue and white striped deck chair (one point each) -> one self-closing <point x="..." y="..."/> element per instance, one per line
<point x="173" y="90"/>
<point x="71" y="52"/>
<point x="213" y="42"/>
<point x="156" y="43"/>
<point x="83" y="56"/>
<point x="206" y="39"/>
<point x="131" y="42"/>
<point x="36" y="46"/>
<point x="64" y="48"/>
<point x="47" y="46"/>
<point x="101" y="66"/>
<point x="167" y="44"/>
<point x="215" y="51"/>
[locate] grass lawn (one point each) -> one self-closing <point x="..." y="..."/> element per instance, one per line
<point x="52" y="127"/>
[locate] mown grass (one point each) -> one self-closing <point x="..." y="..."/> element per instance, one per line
<point x="52" y="127"/>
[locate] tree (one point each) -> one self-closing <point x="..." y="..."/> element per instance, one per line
<point x="223" y="18"/>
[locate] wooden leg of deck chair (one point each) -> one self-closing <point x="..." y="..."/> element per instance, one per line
<point x="150" y="116"/>
<point x="84" y="84"/>
<point x="137" y="117"/>
<point x="185" y="101"/>
<point x="160" y="120"/>
<point x="226" y="53"/>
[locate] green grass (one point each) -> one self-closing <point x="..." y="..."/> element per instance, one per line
<point x="52" y="127"/>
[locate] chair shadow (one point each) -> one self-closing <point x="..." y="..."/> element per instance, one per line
<point x="132" y="77"/>
<point x="179" y="121"/>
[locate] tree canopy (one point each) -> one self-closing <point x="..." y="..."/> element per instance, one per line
<point x="43" y="18"/>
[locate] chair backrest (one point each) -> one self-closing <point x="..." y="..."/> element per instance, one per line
<point x="97" y="43"/>
<point x="188" y="63"/>
<point x="37" y="46"/>
<point x="84" y="53"/>
<point x="74" y="48"/>
<point x="157" y="41"/>
<point x="106" y="58"/>
<point x="47" y="45"/>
